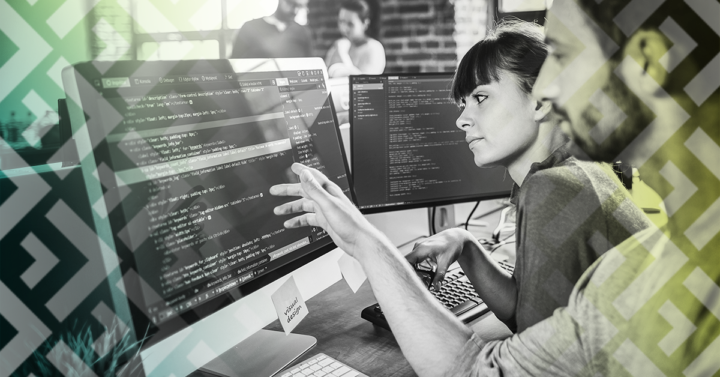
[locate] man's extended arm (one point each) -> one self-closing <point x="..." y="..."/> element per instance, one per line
<point x="430" y="337"/>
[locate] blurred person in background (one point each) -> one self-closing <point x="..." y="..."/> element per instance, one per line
<point x="356" y="52"/>
<point x="275" y="36"/>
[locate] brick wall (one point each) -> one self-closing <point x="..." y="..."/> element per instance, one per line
<point x="471" y="21"/>
<point x="418" y="35"/>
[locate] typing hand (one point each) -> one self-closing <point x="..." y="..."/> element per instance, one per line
<point x="443" y="248"/>
<point x="324" y="204"/>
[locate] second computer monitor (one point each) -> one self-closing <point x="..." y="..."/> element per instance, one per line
<point x="407" y="151"/>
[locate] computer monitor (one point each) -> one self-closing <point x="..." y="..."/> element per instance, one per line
<point x="407" y="151"/>
<point x="178" y="158"/>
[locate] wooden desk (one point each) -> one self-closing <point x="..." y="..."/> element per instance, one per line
<point x="335" y="321"/>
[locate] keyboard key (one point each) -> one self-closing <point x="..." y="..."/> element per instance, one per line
<point x="463" y="307"/>
<point x="325" y="361"/>
<point x="342" y="370"/>
<point x="321" y="365"/>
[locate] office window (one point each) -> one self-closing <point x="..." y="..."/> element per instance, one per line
<point x="192" y="29"/>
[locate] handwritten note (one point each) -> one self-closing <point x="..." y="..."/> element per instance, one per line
<point x="289" y="305"/>
<point x="352" y="272"/>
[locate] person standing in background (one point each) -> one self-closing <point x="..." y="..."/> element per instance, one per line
<point x="356" y="52"/>
<point x="275" y="36"/>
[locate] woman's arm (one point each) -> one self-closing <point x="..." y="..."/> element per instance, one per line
<point x="341" y="64"/>
<point x="492" y="283"/>
<point x="374" y="61"/>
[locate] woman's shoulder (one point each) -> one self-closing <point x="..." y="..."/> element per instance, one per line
<point x="570" y="178"/>
<point x="374" y="44"/>
<point x="565" y="179"/>
<point x="568" y="174"/>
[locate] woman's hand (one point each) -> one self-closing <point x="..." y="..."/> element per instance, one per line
<point x="444" y="248"/>
<point x="324" y="204"/>
<point x="343" y="45"/>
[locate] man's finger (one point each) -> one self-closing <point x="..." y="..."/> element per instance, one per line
<point x="313" y="190"/>
<point x="287" y="189"/>
<point x="297" y="206"/>
<point x="323" y="180"/>
<point x="308" y="219"/>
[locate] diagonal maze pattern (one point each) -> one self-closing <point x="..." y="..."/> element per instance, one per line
<point x="41" y="56"/>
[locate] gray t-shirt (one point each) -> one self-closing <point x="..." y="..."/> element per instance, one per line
<point x="569" y="213"/>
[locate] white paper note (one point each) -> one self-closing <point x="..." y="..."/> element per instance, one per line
<point x="289" y="305"/>
<point x="352" y="271"/>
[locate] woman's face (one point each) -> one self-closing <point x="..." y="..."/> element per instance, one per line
<point x="499" y="122"/>
<point x="351" y="26"/>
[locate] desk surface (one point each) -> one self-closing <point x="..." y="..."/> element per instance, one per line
<point x="335" y="321"/>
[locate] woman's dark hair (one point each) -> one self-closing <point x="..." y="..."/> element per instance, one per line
<point x="513" y="46"/>
<point x="360" y="7"/>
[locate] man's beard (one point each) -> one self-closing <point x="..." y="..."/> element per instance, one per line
<point x="638" y="117"/>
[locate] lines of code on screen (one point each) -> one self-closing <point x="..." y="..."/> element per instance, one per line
<point x="404" y="134"/>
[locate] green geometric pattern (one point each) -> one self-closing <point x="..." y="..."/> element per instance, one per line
<point x="7" y="48"/>
<point x="40" y="37"/>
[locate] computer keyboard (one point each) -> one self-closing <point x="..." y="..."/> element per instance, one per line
<point x="456" y="294"/>
<point x="322" y="365"/>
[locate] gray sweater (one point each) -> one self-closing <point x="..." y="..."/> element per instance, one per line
<point x="623" y="318"/>
<point x="570" y="212"/>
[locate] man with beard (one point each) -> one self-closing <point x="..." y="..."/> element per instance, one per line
<point x="635" y="80"/>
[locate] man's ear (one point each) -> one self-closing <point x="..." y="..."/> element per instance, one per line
<point x="646" y="47"/>
<point x="542" y="110"/>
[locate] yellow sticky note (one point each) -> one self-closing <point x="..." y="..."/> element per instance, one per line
<point x="289" y="305"/>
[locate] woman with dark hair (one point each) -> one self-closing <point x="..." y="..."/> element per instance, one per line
<point x="356" y="52"/>
<point x="569" y="212"/>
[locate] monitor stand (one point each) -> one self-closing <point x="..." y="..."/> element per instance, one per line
<point x="262" y="354"/>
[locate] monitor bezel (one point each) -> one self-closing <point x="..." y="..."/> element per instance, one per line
<point x="74" y="77"/>
<point x="418" y="204"/>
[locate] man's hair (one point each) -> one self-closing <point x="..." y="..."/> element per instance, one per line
<point x="360" y="7"/>
<point x="606" y="13"/>
<point x="513" y="46"/>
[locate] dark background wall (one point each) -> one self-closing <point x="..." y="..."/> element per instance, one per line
<point x="419" y="36"/>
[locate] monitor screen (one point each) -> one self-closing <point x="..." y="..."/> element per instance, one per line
<point x="407" y="151"/>
<point x="185" y="153"/>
